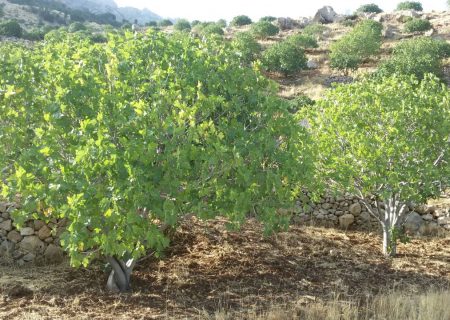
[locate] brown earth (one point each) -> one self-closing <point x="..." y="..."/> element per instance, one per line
<point x="209" y="269"/>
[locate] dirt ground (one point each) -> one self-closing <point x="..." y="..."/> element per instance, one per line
<point x="208" y="269"/>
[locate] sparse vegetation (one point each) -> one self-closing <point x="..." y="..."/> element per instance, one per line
<point x="241" y="20"/>
<point x="410" y="5"/>
<point x="264" y="29"/>
<point x="417" y="25"/>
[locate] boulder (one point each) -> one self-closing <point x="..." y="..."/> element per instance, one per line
<point x="444" y="220"/>
<point x="6" y="225"/>
<point x="28" y="231"/>
<point x="14" y="236"/>
<point x="3" y="207"/>
<point x="346" y="220"/>
<point x="413" y="223"/>
<point x="355" y="209"/>
<point x="326" y="15"/>
<point x="38" y="224"/>
<point x="44" y="232"/>
<point x="53" y="254"/>
<point x="7" y="248"/>
<point x="312" y="64"/>
<point x="303" y="22"/>
<point x="32" y="244"/>
<point x="403" y="15"/>
<point x="285" y="23"/>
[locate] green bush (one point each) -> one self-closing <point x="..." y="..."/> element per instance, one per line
<point x="299" y="102"/>
<point x="417" y="56"/>
<point x="77" y="26"/>
<point x="247" y="48"/>
<point x="315" y="30"/>
<point x="369" y="8"/>
<point x="208" y="28"/>
<point x="417" y="25"/>
<point x="410" y="5"/>
<point x="11" y="29"/>
<point x="264" y="29"/>
<point x="303" y="41"/>
<point x="182" y="25"/>
<point x="284" y="57"/>
<point x="165" y="23"/>
<point x="151" y="24"/>
<point x="241" y="20"/>
<point x="268" y="18"/>
<point x="359" y="44"/>
<point x="222" y="23"/>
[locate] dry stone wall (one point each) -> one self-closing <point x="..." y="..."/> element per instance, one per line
<point x="38" y="242"/>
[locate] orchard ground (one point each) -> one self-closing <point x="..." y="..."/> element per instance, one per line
<point x="212" y="273"/>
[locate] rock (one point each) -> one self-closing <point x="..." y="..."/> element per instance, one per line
<point x="443" y="220"/>
<point x="48" y="240"/>
<point x="6" y="225"/>
<point x="427" y="217"/>
<point x="38" y="224"/>
<point x="327" y="206"/>
<point x="28" y="257"/>
<point x="337" y="79"/>
<point x="346" y="220"/>
<point x="28" y="231"/>
<point x="355" y="209"/>
<point x="53" y="254"/>
<point x="7" y="248"/>
<point x="303" y="22"/>
<point x="3" y="207"/>
<point x="14" y="236"/>
<point x="365" y="217"/>
<point x="429" y="229"/>
<point x="390" y="32"/>
<point x="429" y="33"/>
<point x="312" y="64"/>
<point x="404" y="15"/>
<point x="413" y="222"/>
<point x="326" y="15"/>
<point x="5" y="215"/>
<point x="285" y="23"/>
<point x="44" y="232"/>
<point x="32" y="244"/>
<point x="440" y="212"/>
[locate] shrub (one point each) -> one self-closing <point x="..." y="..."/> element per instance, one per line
<point x="369" y="8"/>
<point x="303" y="41"/>
<point x="268" y="18"/>
<point x="299" y="102"/>
<point x="208" y="28"/>
<point x="284" y="57"/>
<point x="182" y="25"/>
<point x="247" y="48"/>
<point x="410" y="5"/>
<point x="417" y="25"/>
<point x="195" y="22"/>
<point x="241" y="20"/>
<point x="77" y="26"/>
<point x="359" y="44"/>
<point x="151" y="24"/>
<point x="315" y="30"/>
<point x="11" y="29"/>
<point x="264" y="29"/>
<point x="222" y="23"/>
<point x="417" y="57"/>
<point x="165" y="23"/>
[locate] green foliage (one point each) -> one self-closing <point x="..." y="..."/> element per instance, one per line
<point x="246" y="46"/>
<point x="299" y="102"/>
<point x="417" y="25"/>
<point x="369" y="8"/>
<point x="2" y="12"/>
<point x="241" y="20"/>
<point x="359" y="44"/>
<point x="125" y="137"/>
<point x="410" y="5"/>
<point x="165" y="23"/>
<point x="315" y="30"/>
<point x="208" y="28"/>
<point x="303" y="41"/>
<point x="397" y="235"/>
<point x="387" y="138"/>
<point x="11" y="29"/>
<point x="284" y="57"/>
<point x="182" y="25"/>
<point x="416" y="56"/>
<point x="222" y="23"/>
<point x="264" y="29"/>
<point x="151" y="24"/>
<point x="77" y="26"/>
<point x="268" y="19"/>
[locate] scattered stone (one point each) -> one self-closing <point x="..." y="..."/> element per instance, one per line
<point x="53" y="254"/>
<point x="44" y="232"/>
<point x="346" y="220"/>
<point x="28" y="231"/>
<point x="32" y="244"/>
<point x="14" y="236"/>
<point x="6" y="225"/>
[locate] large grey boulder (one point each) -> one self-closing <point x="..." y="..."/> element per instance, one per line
<point x="326" y="15"/>
<point x="285" y="23"/>
<point x="32" y="244"/>
<point x="413" y="223"/>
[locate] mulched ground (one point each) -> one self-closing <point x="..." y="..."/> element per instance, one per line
<point x="209" y="268"/>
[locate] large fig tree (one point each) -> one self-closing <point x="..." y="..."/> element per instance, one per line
<point x="125" y="138"/>
<point x="387" y="140"/>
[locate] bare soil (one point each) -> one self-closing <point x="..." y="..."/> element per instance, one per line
<point x="209" y="269"/>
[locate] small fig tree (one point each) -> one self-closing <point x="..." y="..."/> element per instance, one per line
<point x="386" y="140"/>
<point x="124" y="139"/>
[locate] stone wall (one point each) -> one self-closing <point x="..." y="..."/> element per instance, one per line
<point x="38" y="242"/>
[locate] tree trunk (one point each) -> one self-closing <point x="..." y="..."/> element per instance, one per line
<point x="119" y="278"/>
<point x="389" y="245"/>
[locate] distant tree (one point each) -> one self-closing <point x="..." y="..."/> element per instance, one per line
<point x="77" y="26"/>
<point x="268" y="18"/>
<point x="264" y="29"/>
<point x="417" y="25"/>
<point x="241" y="20"/>
<point x="284" y="57"/>
<point x="246" y="46"/>
<point x="165" y="23"/>
<point x="303" y="40"/>
<point x="222" y="23"/>
<point x="182" y="25"/>
<point x="369" y="8"/>
<point x="386" y="141"/>
<point x="410" y="5"/>
<point x="195" y="22"/>
<point x="151" y="24"/>
<point x="11" y="29"/>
